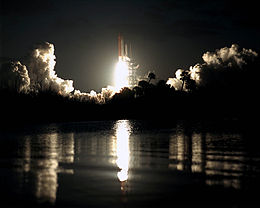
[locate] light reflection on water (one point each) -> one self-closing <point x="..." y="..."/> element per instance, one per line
<point x="209" y="154"/>
<point x="123" y="152"/>
<point x="37" y="162"/>
<point x="40" y="159"/>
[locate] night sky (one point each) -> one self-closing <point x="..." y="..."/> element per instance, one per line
<point x="165" y="35"/>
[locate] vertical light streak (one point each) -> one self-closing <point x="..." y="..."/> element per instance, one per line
<point x="123" y="151"/>
<point x="121" y="75"/>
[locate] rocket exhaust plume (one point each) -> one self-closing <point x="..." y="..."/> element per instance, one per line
<point x="121" y="75"/>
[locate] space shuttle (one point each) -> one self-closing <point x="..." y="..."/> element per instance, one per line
<point x="122" y="48"/>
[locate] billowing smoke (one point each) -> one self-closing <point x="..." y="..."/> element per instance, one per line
<point x="176" y="82"/>
<point x="39" y="76"/>
<point x="215" y="65"/>
<point x="14" y="76"/>
<point x="42" y="74"/>
<point x="229" y="57"/>
<point x="102" y="97"/>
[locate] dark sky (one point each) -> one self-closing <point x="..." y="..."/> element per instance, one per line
<point x="165" y="35"/>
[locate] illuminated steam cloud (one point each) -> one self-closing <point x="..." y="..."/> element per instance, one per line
<point x="215" y="64"/>
<point x="229" y="57"/>
<point x="41" y="71"/>
<point x="43" y="77"/>
<point x="102" y="97"/>
<point x="176" y="82"/>
<point x="14" y="76"/>
<point x="39" y="75"/>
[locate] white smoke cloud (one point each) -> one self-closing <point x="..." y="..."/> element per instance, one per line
<point x="176" y="82"/>
<point x="195" y="72"/>
<point x="14" y="76"/>
<point x="41" y="71"/>
<point x="228" y="57"/>
<point x="39" y="75"/>
<point x="102" y="97"/>
<point x="215" y="63"/>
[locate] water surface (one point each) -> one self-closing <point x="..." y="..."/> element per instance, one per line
<point x="127" y="163"/>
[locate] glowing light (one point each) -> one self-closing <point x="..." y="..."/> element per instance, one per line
<point x="123" y="152"/>
<point x="121" y="74"/>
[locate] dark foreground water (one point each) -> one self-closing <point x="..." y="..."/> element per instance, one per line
<point x="129" y="164"/>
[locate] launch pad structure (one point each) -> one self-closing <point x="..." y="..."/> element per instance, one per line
<point x="125" y="54"/>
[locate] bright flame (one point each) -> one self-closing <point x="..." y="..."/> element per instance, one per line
<point x="123" y="152"/>
<point x="121" y="75"/>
